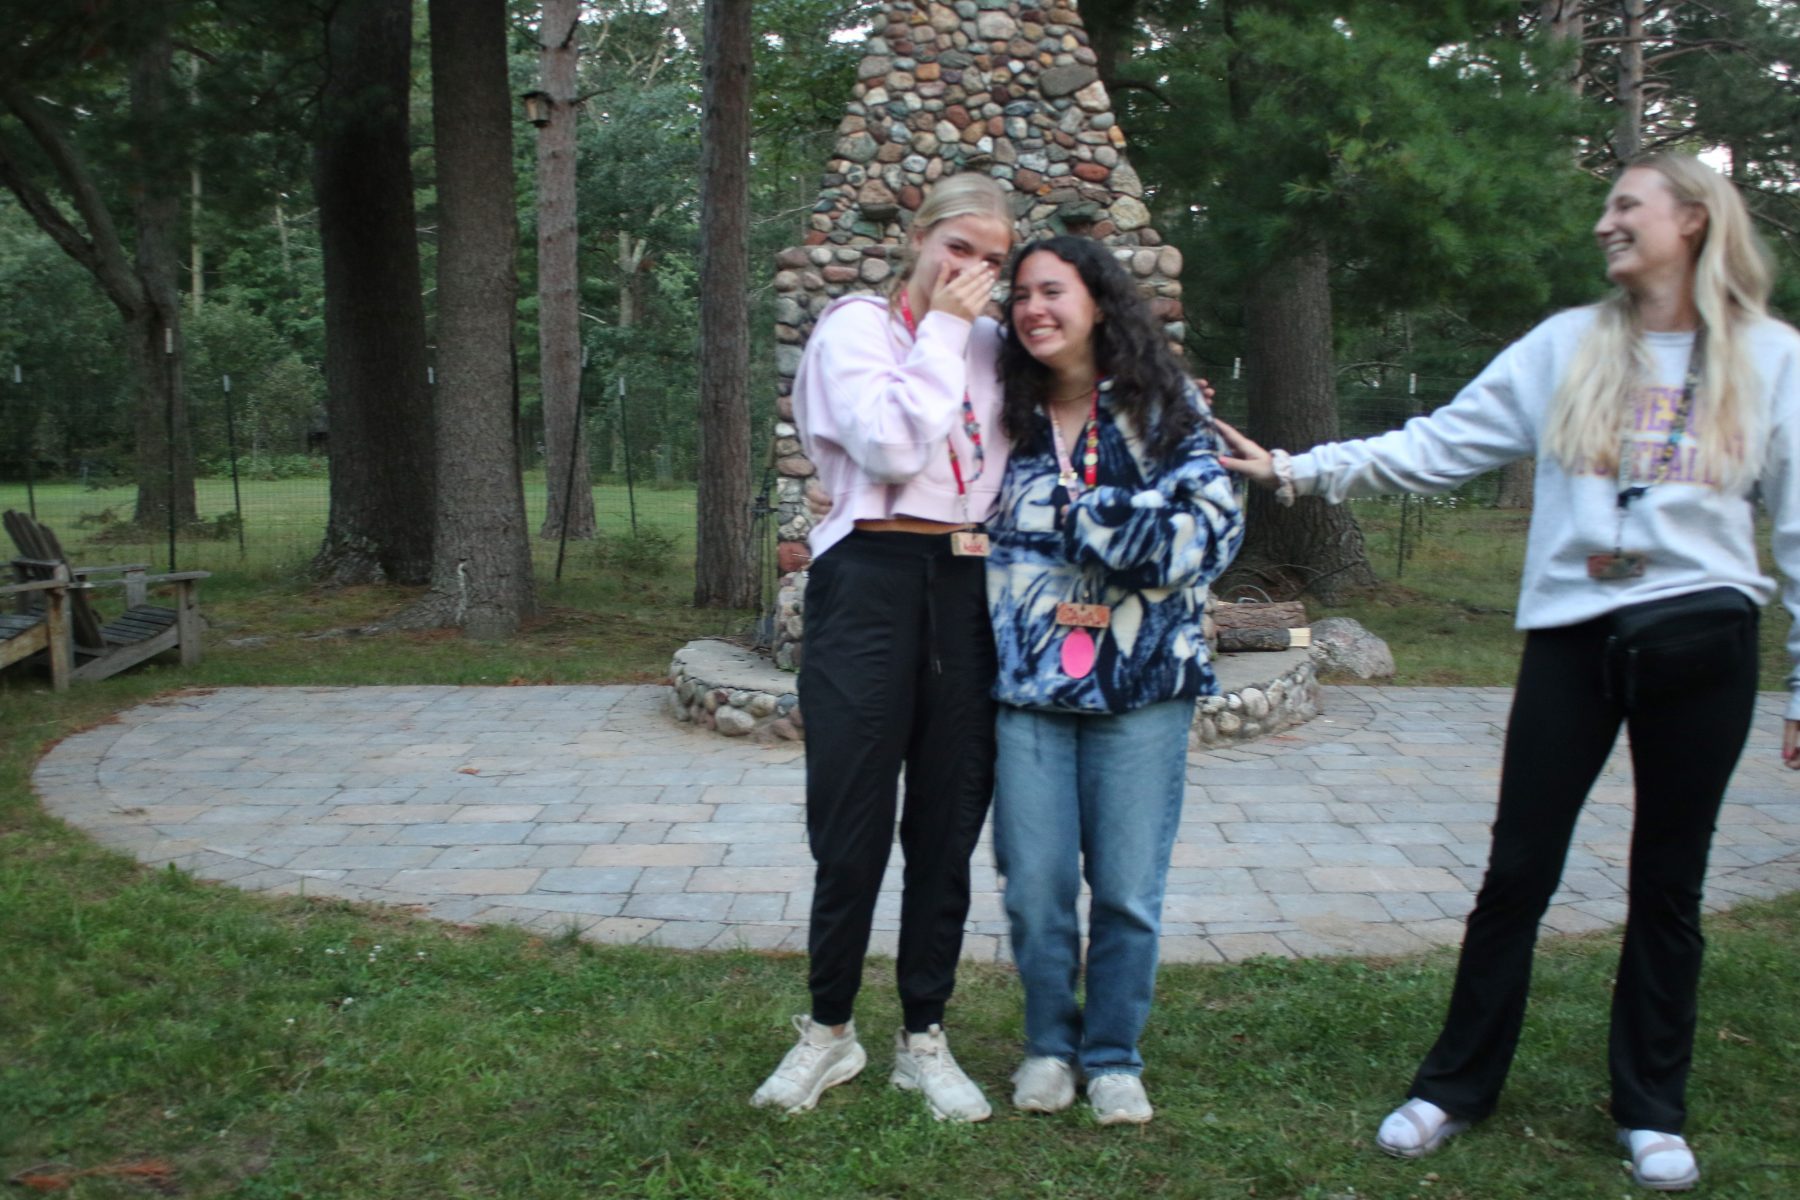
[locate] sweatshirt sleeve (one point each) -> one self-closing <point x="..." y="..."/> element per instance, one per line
<point x="888" y="414"/>
<point x="1484" y="427"/>
<point x="1781" y="496"/>
<point x="1182" y="532"/>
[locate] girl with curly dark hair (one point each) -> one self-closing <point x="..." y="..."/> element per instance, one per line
<point x="1129" y="348"/>
<point x="1114" y="516"/>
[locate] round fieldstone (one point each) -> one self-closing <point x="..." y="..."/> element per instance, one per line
<point x="1129" y="213"/>
<point x="1066" y="81"/>
<point x="877" y="200"/>
<point x="792" y="556"/>
<point x="1341" y="644"/>
<point x="733" y="722"/>
<point x="995" y="26"/>
<point x="858" y="147"/>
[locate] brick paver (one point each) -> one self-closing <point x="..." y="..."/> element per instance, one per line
<point x="1364" y="832"/>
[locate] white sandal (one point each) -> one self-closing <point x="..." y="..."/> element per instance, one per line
<point x="1431" y="1125"/>
<point x="1655" y="1143"/>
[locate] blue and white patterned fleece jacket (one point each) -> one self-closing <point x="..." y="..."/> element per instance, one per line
<point x="1146" y="540"/>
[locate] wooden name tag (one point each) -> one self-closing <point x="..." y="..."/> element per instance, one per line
<point x="1085" y="616"/>
<point x="969" y="544"/>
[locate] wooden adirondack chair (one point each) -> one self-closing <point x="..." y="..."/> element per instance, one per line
<point x="45" y="631"/>
<point x="100" y="649"/>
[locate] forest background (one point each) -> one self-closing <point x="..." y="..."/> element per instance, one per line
<point x="1364" y="192"/>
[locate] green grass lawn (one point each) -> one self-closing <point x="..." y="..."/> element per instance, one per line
<point x="284" y="520"/>
<point x="272" y="1049"/>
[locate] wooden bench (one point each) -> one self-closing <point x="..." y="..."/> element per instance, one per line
<point x="28" y="633"/>
<point x="144" y="630"/>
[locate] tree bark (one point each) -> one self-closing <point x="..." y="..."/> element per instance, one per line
<point x="1564" y="21"/>
<point x="1313" y="546"/>
<point x="377" y="402"/>
<point x="1108" y="24"/>
<point x="1518" y="483"/>
<point x="631" y="264"/>
<point x="559" y="318"/>
<point x="165" y="452"/>
<point x="724" y="575"/>
<point x="481" y="575"/>
<point x="1628" y="134"/>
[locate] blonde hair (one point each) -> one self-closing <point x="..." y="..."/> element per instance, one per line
<point x="970" y="194"/>
<point x="1731" y="290"/>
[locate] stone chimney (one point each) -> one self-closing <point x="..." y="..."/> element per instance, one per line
<point x="1008" y="89"/>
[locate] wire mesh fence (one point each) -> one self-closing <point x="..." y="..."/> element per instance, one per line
<point x="262" y="482"/>
<point x="262" y="488"/>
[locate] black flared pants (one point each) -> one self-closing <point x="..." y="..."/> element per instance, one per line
<point x="1685" y="742"/>
<point x="897" y="673"/>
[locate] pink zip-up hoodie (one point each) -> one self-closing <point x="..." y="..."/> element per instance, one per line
<point x="878" y="411"/>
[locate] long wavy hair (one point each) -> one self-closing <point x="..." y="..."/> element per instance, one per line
<point x="1731" y="290"/>
<point x="1148" y="385"/>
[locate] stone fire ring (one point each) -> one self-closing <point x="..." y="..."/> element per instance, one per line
<point x="737" y="692"/>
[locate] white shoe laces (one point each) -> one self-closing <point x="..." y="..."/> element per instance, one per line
<point x="803" y="1058"/>
<point x="934" y="1058"/>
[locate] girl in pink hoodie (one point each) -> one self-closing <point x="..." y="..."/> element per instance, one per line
<point x="897" y="401"/>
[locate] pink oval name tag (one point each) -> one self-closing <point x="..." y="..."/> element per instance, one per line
<point x="1078" y="654"/>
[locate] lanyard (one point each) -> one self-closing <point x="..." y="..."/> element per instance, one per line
<point x="971" y="426"/>
<point x="1666" y="455"/>
<point x="1090" y="460"/>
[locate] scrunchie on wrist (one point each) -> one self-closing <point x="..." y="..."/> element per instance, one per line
<point x="1284" y="477"/>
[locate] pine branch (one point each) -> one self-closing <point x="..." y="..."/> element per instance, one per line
<point x="106" y="253"/>
<point x="1119" y="85"/>
<point x="43" y="210"/>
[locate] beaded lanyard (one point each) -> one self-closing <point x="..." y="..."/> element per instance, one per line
<point x="971" y="426"/>
<point x="1090" y="459"/>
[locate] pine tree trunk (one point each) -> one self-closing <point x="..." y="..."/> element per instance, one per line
<point x="1313" y="546"/>
<point x="378" y="403"/>
<point x="1563" y="21"/>
<point x="197" y="248"/>
<point x="1518" y="481"/>
<point x="724" y="575"/>
<point x="631" y="262"/>
<point x="1109" y="24"/>
<point x="1628" y="135"/>
<point x="165" y="452"/>
<point x="559" y="317"/>
<point x="481" y="551"/>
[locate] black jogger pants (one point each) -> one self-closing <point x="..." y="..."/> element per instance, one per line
<point x="898" y="670"/>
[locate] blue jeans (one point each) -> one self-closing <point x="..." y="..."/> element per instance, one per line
<point x="1098" y="795"/>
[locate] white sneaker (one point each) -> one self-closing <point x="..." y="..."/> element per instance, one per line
<point x="1045" y="1085"/>
<point x="1119" y="1099"/>
<point x="1662" y="1162"/>
<point x="923" y="1063"/>
<point x="818" y="1060"/>
<point x="1417" y="1128"/>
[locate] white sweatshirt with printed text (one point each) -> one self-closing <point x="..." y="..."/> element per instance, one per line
<point x="1695" y="535"/>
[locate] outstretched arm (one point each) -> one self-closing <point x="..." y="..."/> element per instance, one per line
<point x="1247" y="458"/>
